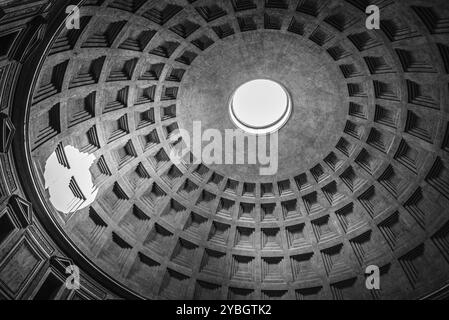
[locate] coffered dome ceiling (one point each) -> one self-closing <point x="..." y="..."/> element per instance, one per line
<point x="363" y="173"/>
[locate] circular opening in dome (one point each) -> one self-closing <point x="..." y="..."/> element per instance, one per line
<point x="260" y="106"/>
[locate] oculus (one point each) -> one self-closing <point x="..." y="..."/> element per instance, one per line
<point x="260" y="106"/>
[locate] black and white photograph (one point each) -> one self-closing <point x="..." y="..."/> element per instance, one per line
<point x="192" y="154"/>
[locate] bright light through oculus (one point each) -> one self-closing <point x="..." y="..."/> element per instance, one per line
<point x="260" y="106"/>
<point x="70" y="188"/>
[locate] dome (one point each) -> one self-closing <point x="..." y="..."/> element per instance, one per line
<point x="355" y="172"/>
